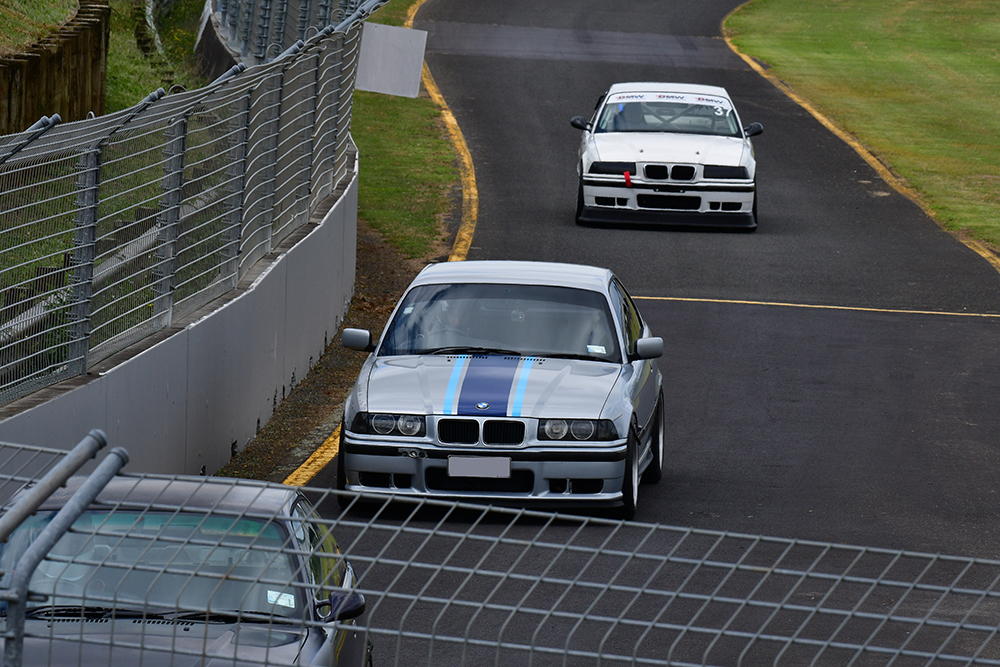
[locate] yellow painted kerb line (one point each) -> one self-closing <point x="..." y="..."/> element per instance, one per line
<point x="815" y="306"/>
<point x="470" y="195"/>
<point x="463" y="241"/>
<point x="316" y="462"/>
<point x="887" y="176"/>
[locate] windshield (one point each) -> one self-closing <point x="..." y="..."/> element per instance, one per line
<point x="669" y="112"/>
<point x="529" y="320"/>
<point x="162" y="562"/>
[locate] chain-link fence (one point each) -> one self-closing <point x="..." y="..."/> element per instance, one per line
<point x="194" y="570"/>
<point x="112" y="228"/>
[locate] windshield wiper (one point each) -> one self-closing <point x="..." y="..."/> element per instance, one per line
<point x="572" y="355"/>
<point x="230" y="616"/>
<point x="465" y="349"/>
<point x="69" y="611"/>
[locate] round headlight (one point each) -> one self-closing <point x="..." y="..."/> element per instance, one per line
<point x="383" y="424"/>
<point x="408" y="424"/>
<point x="582" y="430"/>
<point x="556" y="429"/>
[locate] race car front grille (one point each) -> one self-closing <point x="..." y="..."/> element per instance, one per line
<point x="497" y="432"/>
<point x="520" y="481"/>
<point x="682" y="172"/>
<point x="458" y="431"/>
<point x="658" y="172"/>
<point x="681" y="202"/>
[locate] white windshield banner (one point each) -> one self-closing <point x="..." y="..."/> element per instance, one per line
<point x="680" y="98"/>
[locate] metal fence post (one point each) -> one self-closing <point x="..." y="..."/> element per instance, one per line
<point x="327" y="120"/>
<point x="84" y="450"/>
<point x="247" y="21"/>
<point x="17" y="594"/>
<point x="232" y="25"/>
<point x="236" y="175"/>
<point x="324" y="17"/>
<point x="281" y="20"/>
<point x="40" y="127"/>
<point x="305" y="12"/>
<point x="263" y="31"/>
<point x="170" y="214"/>
<point x="88" y="195"/>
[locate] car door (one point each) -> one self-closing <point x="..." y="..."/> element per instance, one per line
<point x="644" y="384"/>
<point x="327" y="570"/>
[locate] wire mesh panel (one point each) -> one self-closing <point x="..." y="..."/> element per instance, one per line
<point x="234" y="572"/>
<point x="112" y="228"/>
<point x="23" y="464"/>
<point x="37" y="230"/>
<point x="295" y="147"/>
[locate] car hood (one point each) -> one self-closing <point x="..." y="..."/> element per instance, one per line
<point x="163" y="642"/>
<point x="489" y="386"/>
<point x="667" y="147"/>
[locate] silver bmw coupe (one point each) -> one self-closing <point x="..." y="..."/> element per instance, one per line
<point x="525" y="383"/>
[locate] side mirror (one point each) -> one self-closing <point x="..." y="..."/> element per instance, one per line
<point x="357" y="339"/>
<point x="649" y="348"/>
<point x="343" y="605"/>
<point x="753" y="129"/>
<point x="579" y="122"/>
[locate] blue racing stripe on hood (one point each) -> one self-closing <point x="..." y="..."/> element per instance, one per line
<point x="456" y="375"/>
<point x="488" y="380"/>
<point x="522" y="384"/>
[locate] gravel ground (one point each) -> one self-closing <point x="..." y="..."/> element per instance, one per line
<point x="312" y="410"/>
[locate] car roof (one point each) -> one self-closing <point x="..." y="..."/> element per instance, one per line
<point x="196" y="493"/>
<point x="557" y="274"/>
<point x="659" y="87"/>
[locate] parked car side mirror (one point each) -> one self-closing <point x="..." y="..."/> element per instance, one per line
<point x="579" y="122"/>
<point x="344" y="605"/>
<point x="753" y="129"/>
<point x="649" y="348"/>
<point x="357" y="339"/>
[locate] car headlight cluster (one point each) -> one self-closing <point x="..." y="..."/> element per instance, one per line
<point x="381" y="423"/>
<point x="577" y="429"/>
<point x="616" y="168"/>
<point x="716" y="171"/>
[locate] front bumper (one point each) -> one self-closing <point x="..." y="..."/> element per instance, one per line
<point x="709" y="206"/>
<point x="549" y="476"/>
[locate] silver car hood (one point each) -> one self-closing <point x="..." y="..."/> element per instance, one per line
<point x="668" y="147"/>
<point x="174" y="644"/>
<point x="489" y="386"/>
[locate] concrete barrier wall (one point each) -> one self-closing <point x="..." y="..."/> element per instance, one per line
<point x="184" y="404"/>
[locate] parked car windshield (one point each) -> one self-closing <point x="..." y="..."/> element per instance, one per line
<point x="530" y="320"/>
<point x="669" y="112"/>
<point x="163" y="562"/>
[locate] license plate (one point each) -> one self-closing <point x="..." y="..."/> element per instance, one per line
<point x="479" y="466"/>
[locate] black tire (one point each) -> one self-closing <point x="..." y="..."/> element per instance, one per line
<point x="630" y="481"/>
<point x="754" y="209"/>
<point x="579" y="202"/>
<point x="654" y="471"/>
<point x="343" y="499"/>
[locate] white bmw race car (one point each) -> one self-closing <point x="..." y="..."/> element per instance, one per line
<point x="667" y="153"/>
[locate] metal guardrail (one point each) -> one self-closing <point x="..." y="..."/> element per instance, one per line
<point x="113" y="228"/>
<point x="449" y="584"/>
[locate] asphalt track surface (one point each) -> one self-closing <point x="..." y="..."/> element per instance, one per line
<point x="851" y="422"/>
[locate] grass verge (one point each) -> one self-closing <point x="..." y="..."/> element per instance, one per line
<point x="408" y="165"/>
<point x="918" y="83"/>
<point x="24" y="22"/>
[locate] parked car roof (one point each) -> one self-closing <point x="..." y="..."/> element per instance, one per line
<point x="191" y="492"/>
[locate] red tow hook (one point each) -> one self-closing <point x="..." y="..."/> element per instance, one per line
<point x="628" y="180"/>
